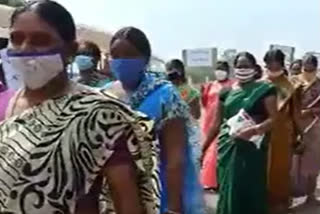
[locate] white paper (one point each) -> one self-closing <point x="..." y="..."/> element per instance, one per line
<point x="243" y="120"/>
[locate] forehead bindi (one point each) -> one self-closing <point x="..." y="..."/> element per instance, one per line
<point x="30" y="22"/>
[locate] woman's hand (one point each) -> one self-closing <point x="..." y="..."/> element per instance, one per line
<point x="246" y="133"/>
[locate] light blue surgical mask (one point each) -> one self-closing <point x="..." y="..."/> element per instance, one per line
<point x="128" y="71"/>
<point x="84" y="62"/>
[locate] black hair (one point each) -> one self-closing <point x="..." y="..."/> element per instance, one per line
<point x="275" y="55"/>
<point x="259" y="72"/>
<point x="224" y="65"/>
<point x="54" y="14"/>
<point x="175" y="64"/>
<point x="298" y="61"/>
<point x="178" y="65"/>
<point x="311" y="59"/>
<point x="248" y="56"/>
<point x="137" y="38"/>
<point x="90" y="48"/>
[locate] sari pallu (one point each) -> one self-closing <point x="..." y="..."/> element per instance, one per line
<point x="52" y="153"/>
<point x="307" y="164"/>
<point x="241" y="165"/>
<point x="210" y="101"/>
<point x="283" y="137"/>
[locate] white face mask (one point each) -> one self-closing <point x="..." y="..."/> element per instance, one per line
<point x="221" y="75"/>
<point x="275" y="74"/>
<point x="244" y="74"/>
<point x="36" y="69"/>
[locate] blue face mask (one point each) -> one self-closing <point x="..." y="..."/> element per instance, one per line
<point x="128" y="71"/>
<point x="84" y="62"/>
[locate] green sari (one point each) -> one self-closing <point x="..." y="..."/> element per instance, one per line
<point x="241" y="166"/>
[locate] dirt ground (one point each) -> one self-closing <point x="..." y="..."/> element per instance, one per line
<point x="298" y="207"/>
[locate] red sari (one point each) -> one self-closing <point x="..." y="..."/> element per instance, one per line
<point x="210" y="100"/>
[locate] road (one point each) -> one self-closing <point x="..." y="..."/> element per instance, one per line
<point x="298" y="208"/>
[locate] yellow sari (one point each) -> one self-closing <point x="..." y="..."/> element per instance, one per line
<point x="283" y="137"/>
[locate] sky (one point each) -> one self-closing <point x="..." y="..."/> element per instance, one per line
<point x="173" y="25"/>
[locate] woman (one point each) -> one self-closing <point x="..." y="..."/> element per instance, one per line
<point x="210" y="101"/>
<point x="306" y="166"/>
<point x="58" y="140"/>
<point x="244" y="118"/>
<point x="176" y="74"/>
<point x="87" y="59"/>
<point x="158" y="98"/>
<point x="284" y="133"/>
<point x="296" y="67"/>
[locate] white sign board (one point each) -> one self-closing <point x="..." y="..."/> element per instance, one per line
<point x="199" y="57"/>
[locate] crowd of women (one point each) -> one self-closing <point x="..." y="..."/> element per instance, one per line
<point x="120" y="138"/>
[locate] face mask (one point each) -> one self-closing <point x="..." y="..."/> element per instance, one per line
<point x="84" y="62"/>
<point x="128" y="71"/>
<point x="36" y="69"/>
<point x="221" y="75"/>
<point x="244" y="74"/>
<point x="275" y="74"/>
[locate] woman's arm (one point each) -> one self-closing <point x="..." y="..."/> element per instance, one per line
<point x="195" y="108"/>
<point x="270" y="104"/>
<point x="120" y="172"/>
<point x="214" y="130"/>
<point x="173" y="140"/>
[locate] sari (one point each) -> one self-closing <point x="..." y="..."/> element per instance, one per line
<point x="210" y="101"/>
<point x="160" y="100"/>
<point x="241" y="165"/>
<point x="52" y="153"/>
<point x="283" y="137"/>
<point x="189" y="94"/>
<point x="307" y="164"/>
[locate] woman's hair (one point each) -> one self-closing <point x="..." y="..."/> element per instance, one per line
<point x="178" y="65"/>
<point x="275" y="55"/>
<point x="248" y="56"/>
<point x="54" y="14"/>
<point x="137" y="38"/>
<point x="311" y="59"/>
<point x="298" y="61"/>
<point x="223" y="65"/>
<point x="259" y="72"/>
<point x="91" y="48"/>
<point x="175" y="64"/>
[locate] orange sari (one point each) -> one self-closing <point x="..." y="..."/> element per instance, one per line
<point x="210" y="100"/>
<point x="283" y="136"/>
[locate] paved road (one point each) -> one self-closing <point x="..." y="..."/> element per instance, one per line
<point x="211" y="200"/>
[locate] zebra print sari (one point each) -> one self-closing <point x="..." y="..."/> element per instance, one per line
<point x="51" y="154"/>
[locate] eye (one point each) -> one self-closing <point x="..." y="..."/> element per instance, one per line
<point x="17" y="38"/>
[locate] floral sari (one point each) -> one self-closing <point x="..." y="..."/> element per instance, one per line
<point x="160" y="100"/>
<point x="307" y="164"/>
